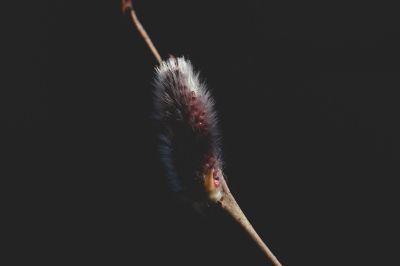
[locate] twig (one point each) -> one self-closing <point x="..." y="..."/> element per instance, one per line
<point x="127" y="5"/>
<point x="229" y="204"/>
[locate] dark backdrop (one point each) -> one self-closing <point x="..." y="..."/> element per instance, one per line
<point x="308" y="107"/>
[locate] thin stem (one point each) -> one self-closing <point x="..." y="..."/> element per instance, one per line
<point x="229" y="204"/>
<point x="127" y="5"/>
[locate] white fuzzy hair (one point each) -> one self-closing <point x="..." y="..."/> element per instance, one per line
<point x="184" y="67"/>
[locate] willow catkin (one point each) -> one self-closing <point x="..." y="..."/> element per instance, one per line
<point x="189" y="136"/>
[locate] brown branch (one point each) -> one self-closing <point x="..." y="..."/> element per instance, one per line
<point x="127" y="6"/>
<point x="229" y="204"/>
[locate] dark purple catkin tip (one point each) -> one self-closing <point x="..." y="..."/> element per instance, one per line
<point x="189" y="138"/>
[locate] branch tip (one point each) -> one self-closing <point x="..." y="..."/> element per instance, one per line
<point x="126" y="5"/>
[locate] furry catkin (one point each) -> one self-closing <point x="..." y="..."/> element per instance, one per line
<point x="189" y="138"/>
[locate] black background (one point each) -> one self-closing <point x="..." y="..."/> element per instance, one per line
<point x="308" y="108"/>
